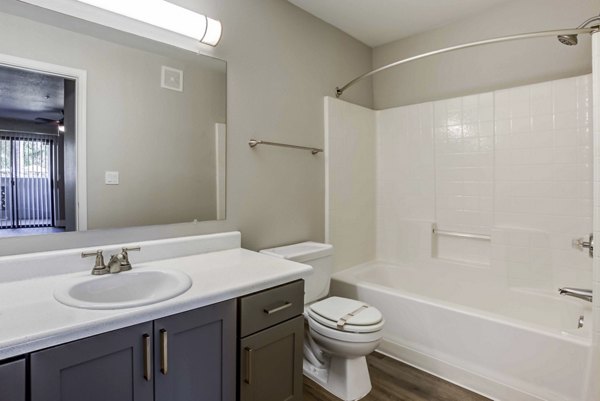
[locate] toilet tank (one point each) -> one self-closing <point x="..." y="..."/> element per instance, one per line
<point x="318" y="256"/>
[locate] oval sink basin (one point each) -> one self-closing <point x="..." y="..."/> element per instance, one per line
<point x="123" y="290"/>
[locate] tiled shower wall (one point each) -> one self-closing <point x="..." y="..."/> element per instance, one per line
<point x="515" y="164"/>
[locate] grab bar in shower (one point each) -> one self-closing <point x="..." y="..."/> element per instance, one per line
<point x="483" y="237"/>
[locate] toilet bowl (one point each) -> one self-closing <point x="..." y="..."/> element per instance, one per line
<point x="339" y="332"/>
<point x="343" y="331"/>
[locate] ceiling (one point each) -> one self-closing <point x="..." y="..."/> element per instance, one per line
<point x="27" y="95"/>
<point x="382" y="21"/>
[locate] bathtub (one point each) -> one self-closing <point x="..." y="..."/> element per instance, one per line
<point x="467" y="326"/>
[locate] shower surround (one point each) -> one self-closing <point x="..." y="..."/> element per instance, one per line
<point x="514" y="166"/>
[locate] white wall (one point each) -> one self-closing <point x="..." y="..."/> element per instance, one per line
<point x="281" y="63"/>
<point x="594" y="391"/>
<point x="350" y="180"/>
<point x="515" y="164"/>
<point x="405" y="181"/>
<point x="486" y="68"/>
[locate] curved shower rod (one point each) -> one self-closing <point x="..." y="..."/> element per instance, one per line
<point x="339" y="91"/>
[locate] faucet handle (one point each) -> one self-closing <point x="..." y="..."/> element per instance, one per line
<point x="125" y="264"/>
<point x="124" y="252"/>
<point x="135" y="248"/>
<point x="99" y="266"/>
<point x="581" y="243"/>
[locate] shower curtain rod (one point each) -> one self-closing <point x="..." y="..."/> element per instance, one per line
<point x="339" y="91"/>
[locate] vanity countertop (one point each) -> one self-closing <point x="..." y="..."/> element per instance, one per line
<point x="31" y="319"/>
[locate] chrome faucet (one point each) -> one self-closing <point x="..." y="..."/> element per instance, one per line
<point x="118" y="263"/>
<point x="586" y="295"/>
<point x="114" y="264"/>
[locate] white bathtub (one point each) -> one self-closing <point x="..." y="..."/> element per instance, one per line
<point x="468" y="327"/>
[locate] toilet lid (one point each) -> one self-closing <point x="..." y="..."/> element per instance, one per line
<point x="346" y="314"/>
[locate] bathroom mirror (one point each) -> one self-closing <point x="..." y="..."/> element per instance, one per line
<point x="103" y="129"/>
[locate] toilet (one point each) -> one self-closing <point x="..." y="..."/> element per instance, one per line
<point x="340" y="332"/>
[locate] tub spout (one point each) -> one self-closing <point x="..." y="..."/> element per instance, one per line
<point x="586" y="295"/>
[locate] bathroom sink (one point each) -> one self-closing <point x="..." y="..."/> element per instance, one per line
<point x="123" y="290"/>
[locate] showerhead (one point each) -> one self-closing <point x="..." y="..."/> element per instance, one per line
<point x="569" y="40"/>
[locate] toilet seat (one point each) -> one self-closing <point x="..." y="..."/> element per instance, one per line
<point x="344" y="336"/>
<point x="345" y="319"/>
<point x="346" y="315"/>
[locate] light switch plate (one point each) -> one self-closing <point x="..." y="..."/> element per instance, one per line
<point x="171" y="78"/>
<point x="111" y="177"/>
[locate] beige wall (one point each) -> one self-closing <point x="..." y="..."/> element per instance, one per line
<point x="486" y="68"/>
<point x="281" y="62"/>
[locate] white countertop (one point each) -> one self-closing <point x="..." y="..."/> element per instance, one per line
<point x="31" y="319"/>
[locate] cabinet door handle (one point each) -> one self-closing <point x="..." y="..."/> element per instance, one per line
<point x="278" y="309"/>
<point x="164" y="352"/>
<point x="147" y="357"/>
<point x="249" y="363"/>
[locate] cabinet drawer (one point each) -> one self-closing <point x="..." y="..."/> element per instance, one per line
<point x="267" y="308"/>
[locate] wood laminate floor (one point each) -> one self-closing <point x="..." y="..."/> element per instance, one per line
<point x="395" y="381"/>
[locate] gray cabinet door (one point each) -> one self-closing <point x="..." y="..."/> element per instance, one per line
<point x="110" y="366"/>
<point x="194" y="355"/>
<point x="271" y="363"/>
<point x="12" y="381"/>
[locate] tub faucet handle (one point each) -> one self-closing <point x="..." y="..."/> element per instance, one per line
<point x="581" y="243"/>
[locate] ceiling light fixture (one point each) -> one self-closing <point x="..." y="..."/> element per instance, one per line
<point x="158" y="13"/>
<point x="165" y="15"/>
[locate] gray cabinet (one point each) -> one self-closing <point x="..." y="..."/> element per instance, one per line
<point x="186" y="357"/>
<point x="270" y="348"/>
<point x="112" y="366"/>
<point x="194" y="355"/>
<point x="12" y="381"/>
<point x="271" y="363"/>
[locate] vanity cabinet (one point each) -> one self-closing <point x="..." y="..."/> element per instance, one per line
<point x="184" y="357"/>
<point x="213" y="353"/>
<point x="194" y="355"/>
<point x="270" y="347"/>
<point x="110" y="366"/>
<point x="12" y="380"/>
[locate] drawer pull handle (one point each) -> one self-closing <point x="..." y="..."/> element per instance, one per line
<point x="249" y="363"/>
<point x="278" y="309"/>
<point x="164" y="352"/>
<point x="147" y="361"/>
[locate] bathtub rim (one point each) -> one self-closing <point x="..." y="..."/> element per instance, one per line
<point x="348" y="276"/>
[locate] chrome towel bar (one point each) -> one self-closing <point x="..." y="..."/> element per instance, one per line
<point x="483" y="237"/>
<point x="255" y="142"/>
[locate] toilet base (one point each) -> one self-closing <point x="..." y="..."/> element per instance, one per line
<point x="346" y="378"/>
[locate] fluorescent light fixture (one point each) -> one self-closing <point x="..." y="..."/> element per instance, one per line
<point x="165" y="15"/>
